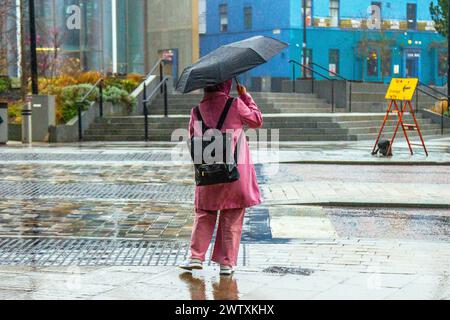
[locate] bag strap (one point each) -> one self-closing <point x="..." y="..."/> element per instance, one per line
<point x="224" y="115"/>
<point x="222" y="119"/>
<point x="200" y="118"/>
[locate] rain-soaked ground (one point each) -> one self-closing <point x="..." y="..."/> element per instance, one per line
<point x="110" y="221"/>
<point x="131" y="200"/>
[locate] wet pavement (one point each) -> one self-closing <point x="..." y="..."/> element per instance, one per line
<point x="86" y="211"/>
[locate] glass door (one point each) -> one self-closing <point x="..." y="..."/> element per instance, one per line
<point x="412" y="64"/>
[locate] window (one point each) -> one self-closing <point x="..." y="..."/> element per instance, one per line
<point x="334" y="13"/>
<point x="386" y="65"/>
<point x="223" y="11"/>
<point x="411" y="16"/>
<point x="372" y="64"/>
<point x="308" y="4"/>
<point x="248" y="18"/>
<point x="333" y="61"/>
<point x="442" y="67"/>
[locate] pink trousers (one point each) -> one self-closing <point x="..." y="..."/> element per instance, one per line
<point x="228" y="238"/>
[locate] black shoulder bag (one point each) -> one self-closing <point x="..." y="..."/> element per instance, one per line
<point x="214" y="172"/>
<point x="383" y="148"/>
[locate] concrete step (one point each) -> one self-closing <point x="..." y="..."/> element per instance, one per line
<point x="303" y="137"/>
<point x="414" y="137"/>
<point x="353" y="124"/>
<point x="180" y="100"/>
<point x="168" y="132"/>
<point x="387" y="129"/>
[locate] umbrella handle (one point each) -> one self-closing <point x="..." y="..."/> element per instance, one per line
<point x="237" y="81"/>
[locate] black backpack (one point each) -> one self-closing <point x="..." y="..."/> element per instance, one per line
<point x="224" y="171"/>
<point x="383" y="148"/>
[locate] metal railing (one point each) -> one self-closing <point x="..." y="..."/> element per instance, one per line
<point x="296" y="63"/>
<point x="159" y="64"/>
<point x="162" y="85"/>
<point x="421" y="84"/>
<point x="82" y="101"/>
<point x="340" y="77"/>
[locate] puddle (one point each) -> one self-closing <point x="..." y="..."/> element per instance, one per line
<point x="285" y="270"/>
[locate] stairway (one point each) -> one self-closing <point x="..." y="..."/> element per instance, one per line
<point x="268" y="102"/>
<point x="370" y="97"/>
<point x="298" y="117"/>
<point x="292" y="127"/>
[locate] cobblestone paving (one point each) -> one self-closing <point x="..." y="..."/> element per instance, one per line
<point x="89" y="173"/>
<point x="342" y="270"/>
<point x="95" y="207"/>
<point x="118" y="219"/>
<point x="144" y="192"/>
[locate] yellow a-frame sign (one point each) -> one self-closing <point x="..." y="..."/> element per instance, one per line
<point x="400" y="93"/>
<point x="402" y="89"/>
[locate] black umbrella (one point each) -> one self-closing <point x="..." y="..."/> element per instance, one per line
<point x="229" y="61"/>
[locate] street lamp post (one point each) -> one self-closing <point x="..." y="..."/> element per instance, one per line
<point x="33" y="54"/>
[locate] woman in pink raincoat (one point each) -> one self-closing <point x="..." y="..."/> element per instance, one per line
<point x="229" y="199"/>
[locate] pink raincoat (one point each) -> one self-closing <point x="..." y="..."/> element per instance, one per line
<point x="243" y="193"/>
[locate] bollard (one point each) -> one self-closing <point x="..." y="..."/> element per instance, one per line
<point x="26" y="124"/>
<point x="3" y="123"/>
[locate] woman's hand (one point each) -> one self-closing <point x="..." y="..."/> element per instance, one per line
<point x="241" y="89"/>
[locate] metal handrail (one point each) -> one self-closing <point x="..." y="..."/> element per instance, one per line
<point x="155" y="66"/>
<point x="433" y="89"/>
<point x="91" y="90"/>
<point x="163" y="86"/>
<point x="159" y="64"/>
<point x="442" y="109"/>
<point x="150" y="96"/>
<point x="310" y="69"/>
<point x="80" y="103"/>
<point x="332" y="72"/>
<point x="294" y="62"/>
<point x="342" y="78"/>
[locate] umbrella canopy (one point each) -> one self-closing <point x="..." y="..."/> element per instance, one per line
<point x="229" y="61"/>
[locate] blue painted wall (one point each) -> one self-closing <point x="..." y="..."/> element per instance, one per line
<point x="282" y="19"/>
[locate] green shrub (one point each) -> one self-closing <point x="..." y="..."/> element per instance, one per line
<point x="5" y="84"/>
<point x="114" y="82"/>
<point x="15" y="111"/>
<point x="129" y="85"/>
<point x="71" y="95"/>
<point x="116" y="95"/>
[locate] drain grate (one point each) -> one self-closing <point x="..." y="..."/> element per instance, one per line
<point x="95" y="252"/>
<point x="98" y="157"/>
<point x="45" y="190"/>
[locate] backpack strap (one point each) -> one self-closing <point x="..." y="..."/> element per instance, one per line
<point x="222" y="119"/>
<point x="224" y="115"/>
<point x="200" y="118"/>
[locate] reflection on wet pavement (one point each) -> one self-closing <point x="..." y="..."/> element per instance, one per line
<point x="385" y="223"/>
<point x="225" y="288"/>
<point x="135" y="195"/>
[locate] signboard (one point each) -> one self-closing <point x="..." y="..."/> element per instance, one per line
<point x="402" y="89"/>
<point x="396" y="69"/>
<point x="332" y="69"/>
<point x="167" y="55"/>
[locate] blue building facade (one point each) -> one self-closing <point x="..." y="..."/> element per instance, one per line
<point x="360" y="40"/>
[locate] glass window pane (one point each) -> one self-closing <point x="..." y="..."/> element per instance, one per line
<point x="372" y="63"/>
<point x="223" y="10"/>
<point x="248" y="15"/>
<point x="334" y="13"/>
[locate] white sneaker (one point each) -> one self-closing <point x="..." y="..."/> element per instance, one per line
<point x="226" y="270"/>
<point x="192" y="264"/>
